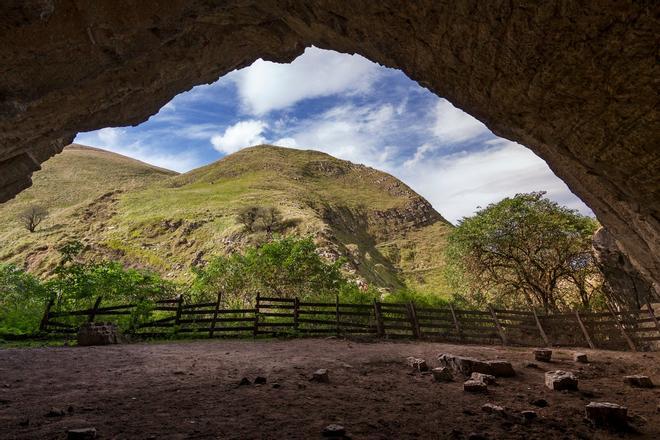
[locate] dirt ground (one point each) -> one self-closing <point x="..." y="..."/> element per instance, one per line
<point x="189" y="390"/>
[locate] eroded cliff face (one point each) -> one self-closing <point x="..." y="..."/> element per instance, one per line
<point x="574" y="81"/>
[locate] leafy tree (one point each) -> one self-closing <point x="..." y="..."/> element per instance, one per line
<point x="257" y="218"/>
<point x="524" y="249"/>
<point x="22" y="300"/>
<point x="31" y="217"/>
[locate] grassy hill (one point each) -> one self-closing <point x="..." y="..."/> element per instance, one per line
<point x="153" y="218"/>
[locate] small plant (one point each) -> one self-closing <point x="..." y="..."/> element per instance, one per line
<point x="33" y="216"/>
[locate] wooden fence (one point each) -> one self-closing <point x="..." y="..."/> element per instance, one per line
<point x="290" y="316"/>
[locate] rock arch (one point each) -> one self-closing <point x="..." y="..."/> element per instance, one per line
<point x="574" y="81"/>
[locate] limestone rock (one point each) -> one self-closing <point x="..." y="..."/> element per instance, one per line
<point x="417" y="364"/>
<point x="581" y="358"/>
<point x="488" y="379"/>
<point x="81" y="434"/>
<point x="464" y="365"/>
<point x="638" y="381"/>
<point x="321" y="376"/>
<point x="605" y="414"/>
<point x="561" y="380"/>
<point x="98" y="333"/>
<point x="442" y="374"/>
<point x="475" y="386"/>
<point x="543" y="355"/>
<point x="109" y="72"/>
<point x="501" y="368"/>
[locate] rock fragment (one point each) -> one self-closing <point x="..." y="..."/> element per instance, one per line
<point x="491" y="408"/>
<point x="464" y="365"/>
<point x="442" y="374"/>
<point x="541" y="403"/>
<point x="581" y="358"/>
<point x="321" y="376"/>
<point x="417" y="364"/>
<point x="605" y="414"/>
<point x="543" y="355"/>
<point x="244" y="381"/>
<point x="638" y="381"/>
<point x="260" y="380"/>
<point x="528" y="415"/>
<point x="501" y="368"/>
<point x="56" y="412"/>
<point x="475" y="386"/>
<point x="333" y="431"/>
<point x="81" y="434"/>
<point x="561" y="380"/>
<point x="488" y="379"/>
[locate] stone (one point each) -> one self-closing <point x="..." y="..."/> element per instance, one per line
<point x="417" y="364"/>
<point x="464" y="365"/>
<point x="56" y="412"/>
<point x="541" y="403"/>
<point x="605" y="414"/>
<point x="442" y="374"/>
<point x="276" y="385"/>
<point x="559" y="380"/>
<point x="543" y="355"/>
<point x="321" y="376"/>
<point x="475" y="386"/>
<point x="638" y="381"/>
<point x="488" y="379"/>
<point x="244" y="381"/>
<point x="531" y="365"/>
<point x="81" y="434"/>
<point x="528" y="414"/>
<point x="491" y="408"/>
<point x="98" y="333"/>
<point x="501" y="368"/>
<point x="334" y="430"/>
<point x="260" y="380"/>
<point x="581" y="358"/>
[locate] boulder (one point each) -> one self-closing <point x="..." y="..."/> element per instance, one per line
<point x="543" y="355"/>
<point x="605" y="414"/>
<point x="475" y="386"/>
<point x="488" y="379"/>
<point x="442" y="374"/>
<point x="561" y="380"/>
<point x="501" y="368"/>
<point x="581" y="358"/>
<point x="98" y="333"/>
<point x="417" y="364"/>
<point x="638" y="381"/>
<point x="464" y="365"/>
<point x="81" y="434"/>
<point x="321" y="376"/>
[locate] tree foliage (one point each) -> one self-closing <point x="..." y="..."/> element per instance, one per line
<point x="525" y="250"/>
<point x="260" y="218"/>
<point x="32" y="217"/>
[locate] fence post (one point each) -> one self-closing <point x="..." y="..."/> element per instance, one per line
<point x="337" y="314"/>
<point x="44" y="320"/>
<point x="215" y="315"/>
<point x="497" y="325"/>
<point x="179" y="308"/>
<point x="456" y="324"/>
<point x="584" y="330"/>
<point x="619" y="324"/>
<point x="256" y="316"/>
<point x="412" y="316"/>
<point x="379" y="319"/>
<point x="296" y="314"/>
<point x="541" y="331"/>
<point x="92" y="314"/>
<point x="652" y="316"/>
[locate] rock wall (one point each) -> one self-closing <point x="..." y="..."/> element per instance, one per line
<point x="574" y="81"/>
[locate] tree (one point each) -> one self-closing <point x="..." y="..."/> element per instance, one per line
<point x="258" y="218"/>
<point x="525" y="249"/>
<point x="32" y="217"/>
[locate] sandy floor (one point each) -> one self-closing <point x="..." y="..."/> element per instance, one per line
<point x="189" y="390"/>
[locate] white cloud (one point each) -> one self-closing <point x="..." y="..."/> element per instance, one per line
<point x="266" y="86"/>
<point x="457" y="184"/>
<point x="121" y="141"/>
<point x="240" y="135"/>
<point x="453" y="125"/>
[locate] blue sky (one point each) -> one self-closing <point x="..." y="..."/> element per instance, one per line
<point x="348" y="107"/>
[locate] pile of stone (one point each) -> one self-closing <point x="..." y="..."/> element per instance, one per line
<point x="98" y="333"/>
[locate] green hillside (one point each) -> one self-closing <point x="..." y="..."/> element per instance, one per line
<point x="153" y="218"/>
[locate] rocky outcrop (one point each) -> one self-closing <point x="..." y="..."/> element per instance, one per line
<point x="624" y="284"/>
<point x="573" y="81"/>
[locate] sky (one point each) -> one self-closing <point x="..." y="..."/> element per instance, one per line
<point x="348" y="107"/>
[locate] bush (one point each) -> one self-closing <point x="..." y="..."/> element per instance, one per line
<point x="22" y="300"/>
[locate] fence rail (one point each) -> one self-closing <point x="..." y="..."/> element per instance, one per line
<point x="290" y="316"/>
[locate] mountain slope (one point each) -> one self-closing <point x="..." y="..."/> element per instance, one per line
<point x="391" y="236"/>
